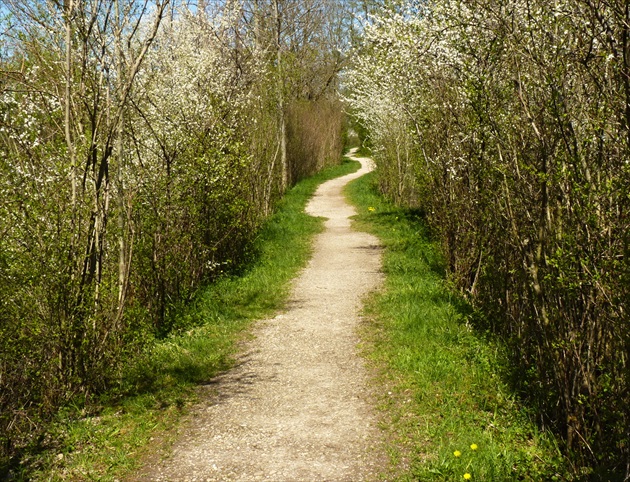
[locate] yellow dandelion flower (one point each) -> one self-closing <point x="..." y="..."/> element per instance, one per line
<point x="371" y="209"/>
<point x="473" y="447"/>
<point x="457" y="453"/>
<point x="467" y="476"/>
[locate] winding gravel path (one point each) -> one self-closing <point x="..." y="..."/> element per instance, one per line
<point x="297" y="407"/>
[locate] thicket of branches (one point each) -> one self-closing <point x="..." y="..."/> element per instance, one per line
<point x="141" y="145"/>
<point x="508" y="123"/>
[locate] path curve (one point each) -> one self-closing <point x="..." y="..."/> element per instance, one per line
<point x="297" y="406"/>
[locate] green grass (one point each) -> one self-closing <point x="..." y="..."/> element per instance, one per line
<point x="108" y="443"/>
<point x="441" y="382"/>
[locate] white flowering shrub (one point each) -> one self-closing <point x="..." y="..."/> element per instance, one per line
<point x="191" y="109"/>
<point x="141" y="146"/>
<point x="507" y="123"/>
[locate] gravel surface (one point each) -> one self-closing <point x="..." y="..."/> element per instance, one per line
<point x="297" y="407"/>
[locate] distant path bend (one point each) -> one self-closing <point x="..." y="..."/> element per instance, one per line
<point x="297" y="406"/>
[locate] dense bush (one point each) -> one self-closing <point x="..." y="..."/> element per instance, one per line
<point x="139" y="152"/>
<point x="314" y="131"/>
<point x="507" y="122"/>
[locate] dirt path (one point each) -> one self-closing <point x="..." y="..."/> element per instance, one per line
<point x="297" y="406"/>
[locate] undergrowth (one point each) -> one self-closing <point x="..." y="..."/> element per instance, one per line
<point x="450" y="416"/>
<point x="106" y="439"/>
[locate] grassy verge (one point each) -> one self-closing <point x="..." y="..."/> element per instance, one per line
<point x="450" y="416"/>
<point x="109" y="443"/>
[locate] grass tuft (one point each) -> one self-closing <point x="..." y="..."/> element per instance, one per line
<point x="108" y="442"/>
<point x="449" y="414"/>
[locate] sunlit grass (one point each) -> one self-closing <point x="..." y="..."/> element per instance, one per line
<point x="109" y="442"/>
<point x="449" y="415"/>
